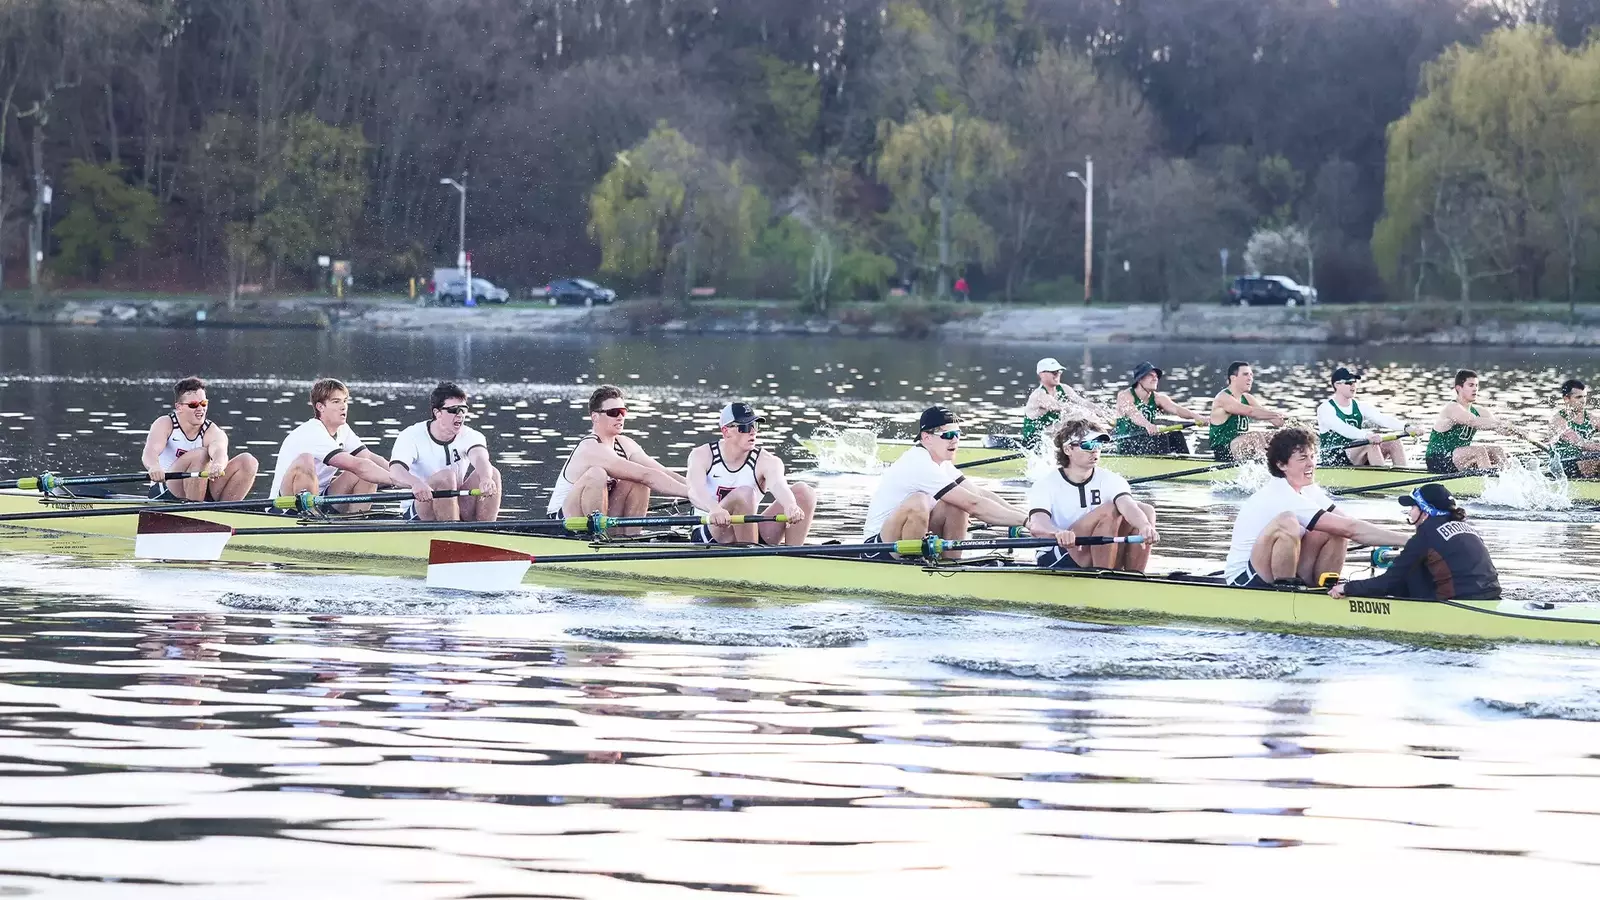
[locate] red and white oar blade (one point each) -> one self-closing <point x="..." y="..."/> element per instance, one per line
<point x="463" y="566"/>
<point x="166" y="536"/>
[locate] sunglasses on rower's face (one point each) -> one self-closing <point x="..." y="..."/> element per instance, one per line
<point x="196" y="404"/>
<point x="458" y="409"/>
<point x="1351" y="382"/>
<point x="615" y="412"/>
<point x="1097" y="442"/>
<point x="950" y="435"/>
<point x="744" y="427"/>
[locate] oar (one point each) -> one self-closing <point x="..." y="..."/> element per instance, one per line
<point x="1390" y="485"/>
<point x="1215" y="467"/>
<point x="460" y="565"/>
<point x="49" y="481"/>
<point x="302" y="502"/>
<point x="576" y="524"/>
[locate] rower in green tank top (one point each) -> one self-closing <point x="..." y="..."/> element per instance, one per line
<point x="1450" y="447"/>
<point x="1577" y="432"/>
<point x="1232" y="412"/>
<point x="1138" y="404"/>
<point x="1052" y="398"/>
<point x="1343" y="422"/>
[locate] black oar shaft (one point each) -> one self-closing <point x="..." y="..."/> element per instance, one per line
<point x="301" y="502"/>
<point x="509" y="525"/>
<point x="929" y="547"/>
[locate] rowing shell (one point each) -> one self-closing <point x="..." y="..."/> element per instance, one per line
<point x="1131" y="466"/>
<point x="1092" y="596"/>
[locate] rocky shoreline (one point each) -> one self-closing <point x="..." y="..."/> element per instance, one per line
<point x="1339" y="325"/>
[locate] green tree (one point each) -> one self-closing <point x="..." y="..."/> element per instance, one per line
<point x="105" y="217"/>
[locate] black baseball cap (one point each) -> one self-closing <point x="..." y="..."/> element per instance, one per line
<point x="1434" y="498"/>
<point x="935" y="418"/>
<point x="739" y="414"/>
<point x="1143" y="369"/>
<point x="1343" y="374"/>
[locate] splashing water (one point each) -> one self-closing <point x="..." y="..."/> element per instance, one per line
<point x="852" y="450"/>
<point x="1527" y="483"/>
<point x="1247" y="479"/>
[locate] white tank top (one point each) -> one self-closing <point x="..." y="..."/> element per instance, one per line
<point x="178" y="445"/>
<point x="558" y="494"/>
<point x="722" y="481"/>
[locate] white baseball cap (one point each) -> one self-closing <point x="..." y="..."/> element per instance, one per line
<point x="1048" y="364"/>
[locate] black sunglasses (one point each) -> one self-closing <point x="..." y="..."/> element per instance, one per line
<point x="457" y="409"/>
<point x="615" y="412"/>
<point x="744" y="427"/>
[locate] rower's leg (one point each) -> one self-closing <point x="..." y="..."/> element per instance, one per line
<point x="1321" y="552"/>
<point x="739" y="502"/>
<point x="349" y="483"/>
<point x="1134" y="557"/>
<point x="1251" y="445"/>
<point x="795" y="534"/>
<point x="1276" y="553"/>
<point x="1102" y="521"/>
<point x="1497" y="456"/>
<point x="588" y="495"/>
<point x="1395" y="451"/>
<point x="485" y="508"/>
<point x="188" y="488"/>
<point x="301" y="477"/>
<point x="442" y="509"/>
<point x="951" y="523"/>
<point x="1589" y="468"/>
<point x="910" y="520"/>
<point x="241" y="478"/>
<point x="630" y="499"/>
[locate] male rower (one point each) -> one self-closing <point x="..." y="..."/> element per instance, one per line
<point x="324" y="457"/>
<point x="1233" y="412"/>
<point x="184" y="440"/>
<point x="1445" y="560"/>
<point x="1450" y="446"/>
<point x="449" y="456"/>
<point x="1576" y="431"/>
<point x="1341" y="421"/>
<point x="1052" y="398"/>
<point x="923" y="492"/>
<point x="1080" y="498"/>
<point x="1137" y="407"/>
<point x="608" y="472"/>
<point x="730" y="476"/>
<point x="1291" y="528"/>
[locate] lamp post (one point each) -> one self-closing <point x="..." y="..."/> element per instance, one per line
<point x="463" y="262"/>
<point x="1087" y="180"/>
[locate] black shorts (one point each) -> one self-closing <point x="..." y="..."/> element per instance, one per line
<point x="701" y="534"/>
<point x="1440" y="464"/>
<point x="880" y="554"/>
<point x="1249" y="578"/>
<point x="1056" y="558"/>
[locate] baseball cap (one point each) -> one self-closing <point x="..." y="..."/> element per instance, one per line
<point x="1143" y="369"/>
<point x="934" y="418"/>
<point x="740" y="414"/>
<point x="1343" y="374"/>
<point x="1432" y="498"/>
<point x="1048" y="364"/>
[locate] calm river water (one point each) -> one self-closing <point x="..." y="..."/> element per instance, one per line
<point x="213" y="733"/>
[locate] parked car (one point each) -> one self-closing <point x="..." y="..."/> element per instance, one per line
<point x="578" y="290"/>
<point x="1269" y="290"/>
<point x="449" y="286"/>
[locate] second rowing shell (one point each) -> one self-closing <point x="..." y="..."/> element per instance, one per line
<point x="1146" y="466"/>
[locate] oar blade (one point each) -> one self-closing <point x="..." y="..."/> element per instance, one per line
<point x="465" y="566"/>
<point x="179" y="538"/>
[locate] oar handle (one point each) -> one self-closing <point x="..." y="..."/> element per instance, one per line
<point x="1201" y="470"/>
<point x="306" y="501"/>
<point x="596" y="524"/>
<point x="1383" y="556"/>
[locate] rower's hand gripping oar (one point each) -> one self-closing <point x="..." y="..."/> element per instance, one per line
<point x="460" y="565"/>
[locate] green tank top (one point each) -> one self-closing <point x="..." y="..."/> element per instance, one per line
<point x="1332" y="440"/>
<point x="1444" y="443"/>
<point x="1231" y="427"/>
<point x="1585" y="429"/>
<point x="1126" y="426"/>
<point x="1033" y="429"/>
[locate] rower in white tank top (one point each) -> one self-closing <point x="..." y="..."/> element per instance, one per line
<point x="722" y="480"/>
<point x="179" y="443"/>
<point x="558" y="494"/>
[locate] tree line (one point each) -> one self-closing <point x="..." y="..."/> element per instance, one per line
<point x="823" y="149"/>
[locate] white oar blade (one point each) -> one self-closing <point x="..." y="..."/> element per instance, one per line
<point x="463" y="566"/>
<point x="166" y="536"/>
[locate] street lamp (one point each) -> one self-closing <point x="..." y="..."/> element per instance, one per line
<point x="462" y="261"/>
<point x="1087" y="180"/>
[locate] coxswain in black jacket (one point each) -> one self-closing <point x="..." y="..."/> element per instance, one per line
<point x="1445" y="560"/>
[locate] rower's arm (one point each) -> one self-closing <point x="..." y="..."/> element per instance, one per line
<point x="160" y="431"/>
<point x="1562" y="430"/>
<point x="1358" y="530"/>
<point x="370" y="467"/>
<point x="981" y="504"/>
<point x="1039" y="403"/>
<point x="1460" y="415"/>
<point x="1328" y="420"/>
<point x="656" y="476"/>
<point x="1102" y="415"/>
<point x="1258" y="410"/>
<point x="1171" y="407"/>
<point x="1127" y="407"/>
<point x="775" y="477"/>
<point x="699" y="465"/>
<point x="1384" y="422"/>
<point x="1392" y="582"/>
<point x="217" y="444"/>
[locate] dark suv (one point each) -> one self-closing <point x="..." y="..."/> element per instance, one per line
<point x="1267" y="290"/>
<point x="578" y="290"/>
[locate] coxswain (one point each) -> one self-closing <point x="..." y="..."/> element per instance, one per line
<point x="1445" y="560"/>
<point x="1342" y="421"/>
<point x="1576" y="431"/>
<point x="1232" y="413"/>
<point x="1138" y="404"/>
<point x="608" y="472"/>
<point x="922" y="492"/>
<point x="323" y="456"/>
<point x="731" y="475"/>
<point x="185" y="440"/>
<point x="1052" y="398"/>
<point x="1291" y="528"/>
<point x="1080" y="498"/>
<point x="449" y="455"/>
<point x="1450" y="447"/>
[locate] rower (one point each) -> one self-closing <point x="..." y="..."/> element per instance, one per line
<point x="1137" y="407"/>
<point x="1291" y="528"/>
<point x="1342" y="421"/>
<point x="184" y="440"/>
<point x="1050" y="399"/>
<point x="1232" y="412"/>
<point x="923" y="493"/>
<point x="449" y="456"/>
<point x="730" y="476"/>
<point x="1080" y="498"/>
<point x="1445" y="560"/>
<point x="323" y="456"/>
<point x="608" y="472"/>
<point x="1450" y="446"/>
<point x="1576" y="431"/>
